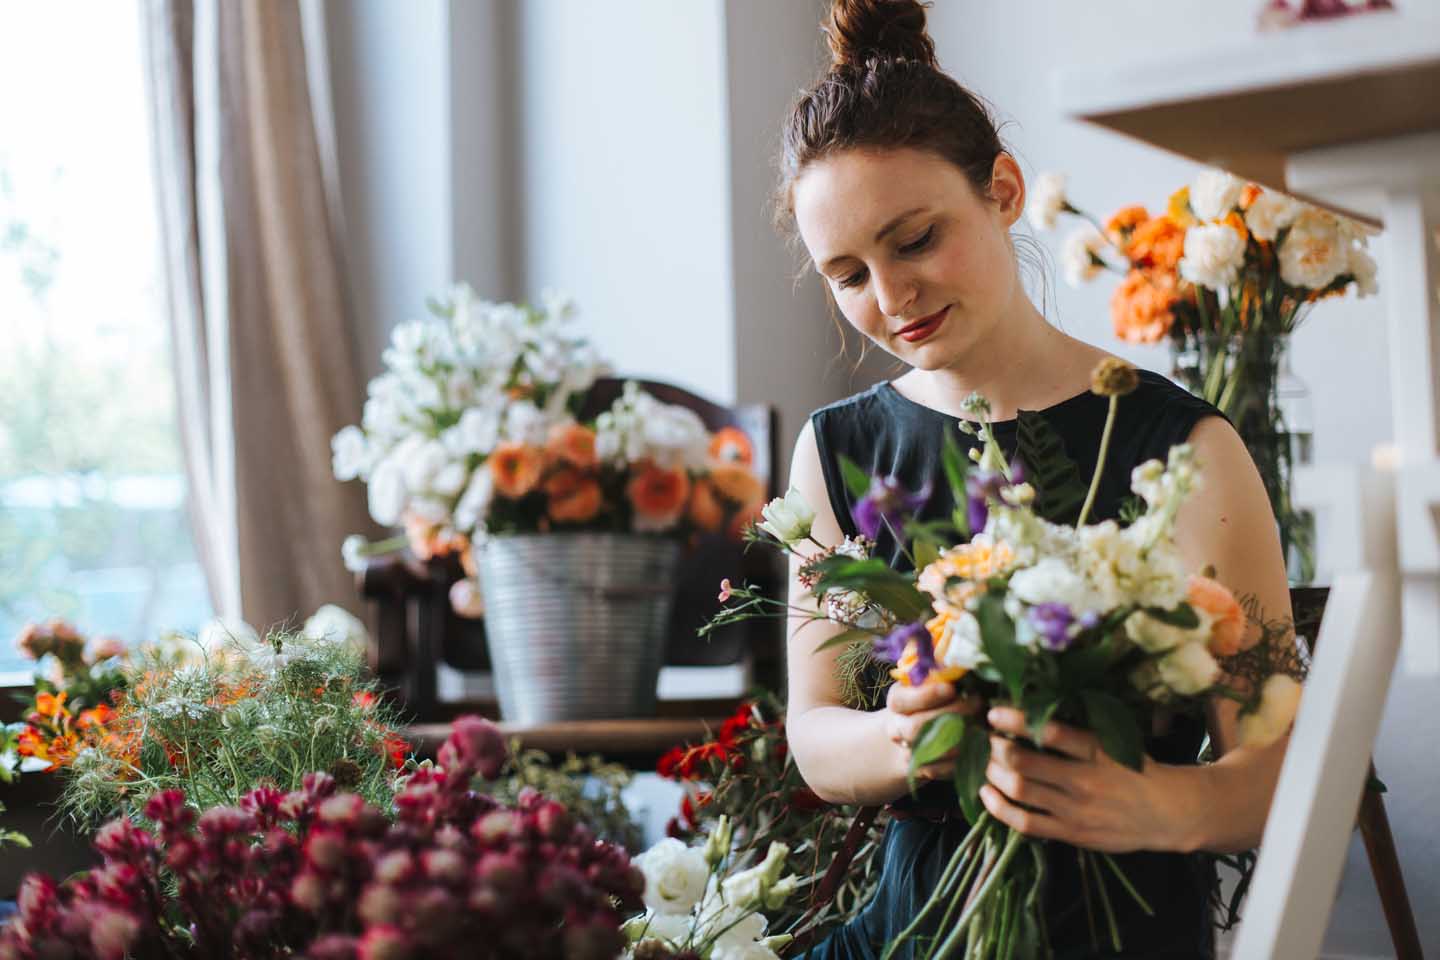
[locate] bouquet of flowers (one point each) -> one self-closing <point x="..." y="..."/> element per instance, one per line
<point x="746" y="776"/>
<point x="1095" y="626"/>
<point x="318" y="872"/>
<point x="708" y="900"/>
<point x="1226" y="273"/>
<point x="472" y="430"/>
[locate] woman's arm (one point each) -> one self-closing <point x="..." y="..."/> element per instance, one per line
<point x="845" y="755"/>
<point x="1087" y="799"/>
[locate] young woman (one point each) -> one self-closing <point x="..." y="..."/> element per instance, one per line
<point x="904" y="197"/>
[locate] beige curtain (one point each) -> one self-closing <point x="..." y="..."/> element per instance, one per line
<point x="264" y="351"/>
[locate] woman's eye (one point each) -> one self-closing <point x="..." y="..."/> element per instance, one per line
<point x="920" y="244"/>
<point x="854" y="279"/>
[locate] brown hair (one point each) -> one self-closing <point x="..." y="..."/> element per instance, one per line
<point x="884" y="90"/>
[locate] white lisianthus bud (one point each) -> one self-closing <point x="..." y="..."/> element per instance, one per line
<point x="1189" y="669"/>
<point x="776" y="896"/>
<point x="788" y="518"/>
<point x="348" y="453"/>
<point x="1213" y="255"/>
<point x="1020" y="495"/>
<point x="1214" y="194"/>
<point x="675" y="876"/>
<point x="717" y="845"/>
<point x="1047" y="200"/>
<point x="1279" y="700"/>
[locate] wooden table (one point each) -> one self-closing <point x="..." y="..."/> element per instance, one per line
<point x="635" y="743"/>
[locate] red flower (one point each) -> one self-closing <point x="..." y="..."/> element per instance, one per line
<point x="668" y="764"/>
<point x="396" y="748"/>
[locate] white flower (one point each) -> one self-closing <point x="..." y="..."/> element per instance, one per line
<point x="1213" y="255"/>
<point x="475" y="501"/>
<point x="1214" y="193"/>
<point x="450" y="479"/>
<point x="465" y="599"/>
<point x="675" y="436"/>
<point x="428" y="509"/>
<point x="1189" y="669"/>
<point x="386" y="492"/>
<point x="352" y="552"/>
<point x="478" y="430"/>
<point x="1270" y="213"/>
<point x="425" y="461"/>
<point x="524" y="423"/>
<point x="788" y="518"/>
<point x="348" y="453"/>
<point x="672" y="927"/>
<point x="336" y="625"/>
<point x="675" y="876"/>
<point x="1279" y="700"/>
<point x="962" y="643"/>
<point x="1156" y="636"/>
<point x="1314" y="253"/>
<point x="227" y="632"/>
<point x="742" y="950"/>
<point x="1052" y="580"/>
<point x="1362" y="268"/>
<point x="1047" y="200"/>
<point x="1080" y="257"/>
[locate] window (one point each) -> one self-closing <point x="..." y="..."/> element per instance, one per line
<point x="93" y="523"/>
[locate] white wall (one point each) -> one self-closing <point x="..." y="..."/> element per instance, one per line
<point x="1009" y="53"/>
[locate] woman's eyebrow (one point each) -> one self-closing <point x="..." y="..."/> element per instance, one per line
<point x="880" y="235"/>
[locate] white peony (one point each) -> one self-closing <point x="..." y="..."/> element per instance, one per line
<point x="1214" y="193"/>
<point x="1314" y="252"/>
<point x="1080" y="257"/>
<point x="1362" y="267"/>
<point x="336" y="625"/>
<point x="1047" y="200"/>
<point x="386" y="492"/>
<point x="1270" y="213"/>
<point x="788" y="518"/>
<point x="675" y="876"/>
<point x="1279" y="701"/>
<point x="349" y="453"/>
<point x="1213" y="256"/>
<point x="1189" y="669"/>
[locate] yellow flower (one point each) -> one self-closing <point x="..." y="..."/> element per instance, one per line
<point x="973" y="563"/>
<point x="1179" y="208"/>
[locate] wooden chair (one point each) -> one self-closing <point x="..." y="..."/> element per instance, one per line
<point x="414" y="627"/>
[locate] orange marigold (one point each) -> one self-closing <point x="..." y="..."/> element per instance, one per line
<point x="1123" y="224"/>
<point x="1141" y="306"/>
<point x="706" y="511"/>
<point x="736" y="483"/>
<point x="732" y="445"/>
<point x="515" y="468"/>
<point x="573" y="444"/>
<point x="1157" y="244"/>
<point x="574" y="496"/>
<point x="658" y="494"/>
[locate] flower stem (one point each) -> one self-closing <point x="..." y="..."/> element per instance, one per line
<point x="983" y="894"/>
<point x="1099" y="463"/>
<point x="1125" y="882"/>
<point x="946" y="881"/>
<point x="1104" y="901"/>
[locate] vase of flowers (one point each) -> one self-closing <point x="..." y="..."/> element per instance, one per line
<point x="1226" y="274"/>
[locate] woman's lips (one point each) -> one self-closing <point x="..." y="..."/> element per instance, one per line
<point x="923" y="327"/>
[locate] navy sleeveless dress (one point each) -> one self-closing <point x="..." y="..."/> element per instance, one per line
<point x="890" y="435"/>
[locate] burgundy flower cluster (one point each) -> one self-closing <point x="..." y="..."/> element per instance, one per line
<point x="318" y="873"/>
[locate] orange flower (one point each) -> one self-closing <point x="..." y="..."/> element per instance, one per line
<point x="1123" y="224"/>
<point x="658" y="494"/>
<point x="731" y="445"/>
<point x="1248" y="195"/>
<point x="50" y="705"/>
<point x="574" y="496"/>
<point x="705" y="509"/>
<point x="96" y="716"/>
<point x="1227" y="629"/>
<point x="747" y="514"/>
<point x="1158" y="243"/>
<point x="1140" y="308"/>
<point x="515" y="467"/>
<point x="1237" y="223"/>
<point x="1178" y="209"/>
<point x="736" y="483"/>
<point x="429" y="539"/>
<point x="573" y="444"/>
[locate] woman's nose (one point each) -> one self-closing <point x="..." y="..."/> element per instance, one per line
<point x="894" y="291"/>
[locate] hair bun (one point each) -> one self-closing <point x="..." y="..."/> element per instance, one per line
<point x="859" y="30"/>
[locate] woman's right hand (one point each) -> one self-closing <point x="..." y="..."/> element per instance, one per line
<point x="907" y="709"/>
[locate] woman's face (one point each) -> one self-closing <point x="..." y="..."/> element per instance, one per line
<point x="917" y="260"/>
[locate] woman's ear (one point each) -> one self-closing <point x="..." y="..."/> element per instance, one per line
<point x="1007" y="189"/>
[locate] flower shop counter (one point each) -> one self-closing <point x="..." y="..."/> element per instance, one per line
<point x="637" y="743"/>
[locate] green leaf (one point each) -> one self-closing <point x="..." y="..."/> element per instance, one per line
<point x="857" y="481"/>
<point x="938" y="736"/>
<point x="970" y="766"/>
<point x="845" y="638"/>
<point x="1039" y="707"/>
<point x="1059" y="488"/>
<point x="957" y="466"/>
<point x="1183" y="616"/>
<point x="997" y="638"/>
<point x="889" y="588"/>
<point x="1116" y="726"/>
<point x="926" y="552"/>
<point x="1082" y="668"/>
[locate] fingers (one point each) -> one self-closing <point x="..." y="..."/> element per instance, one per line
<point x="1074" y="743"/>
<point x="932" y="697"/>
<point x="1032" y="823"/>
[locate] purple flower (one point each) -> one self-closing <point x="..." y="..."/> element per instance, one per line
<point x="1052" y="622"/>
<point x="890" y="648"/>
<point x="887" y="504"/>
<point x="982" y="486"/>
<point x="924" y="659"/>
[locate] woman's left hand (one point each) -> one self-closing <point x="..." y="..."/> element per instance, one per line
<point x="1082" y="796"/>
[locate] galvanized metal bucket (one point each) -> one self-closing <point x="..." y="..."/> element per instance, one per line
<point x="576" y="622"/>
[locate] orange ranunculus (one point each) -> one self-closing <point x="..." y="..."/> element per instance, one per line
<point x="706" y="511"/>
<point x="1227" y="629"/>
<point x="731" y="445"/>
<point x="574" y="496"/>
<point x="736" y="483"/>
<point x="1249" y="194"/>
<point x="515" y="468"/>
<point x="1157" y="244"/>
<point x="1178" y="208"/>
<point x="1123" y="224"/>
<point x="1140" y="308"/>
<point x="573" y="444"/>
<point x="659" y="495"/>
